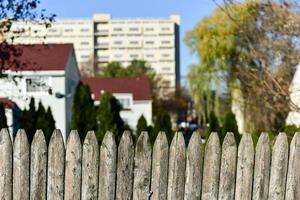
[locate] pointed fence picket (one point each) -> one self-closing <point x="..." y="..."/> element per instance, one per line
<point x="125" y="168"/>
<point x="279" y="168"/>
<point x="90" y="166"/>
<point x="73" y="167"/>
<point x="38" y="167"/>
<point x="92" y="171"/>
<point x="211" y="168"/>
<point x="176" y="177"/>
<point x="244" y="171"/>
<point x="56" y="167"/>
<point x="228" y="168"/>
<point x="262" y="168"/>
<point x="142" y="168"/>
<point x="193" y="172"/>
<point x="108" y="167"/>
<point x="21" y="165"/>
<point x="160" y="160"/>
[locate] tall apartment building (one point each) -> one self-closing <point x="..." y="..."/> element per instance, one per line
<point x="105" y="39"/>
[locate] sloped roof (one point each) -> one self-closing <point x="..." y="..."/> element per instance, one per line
<point x="138" y="86"/>
<point x="37" y="57"/>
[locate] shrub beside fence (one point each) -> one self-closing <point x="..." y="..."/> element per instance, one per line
<point x="107" y="171"/>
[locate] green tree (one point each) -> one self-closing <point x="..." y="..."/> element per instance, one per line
<point x="230" y="125"/>
<point x="3" y="120"/>
<point x="28" y="120"/>
<point x="108" y="117"/>
<point x="250" y="54"/>
<point x="83" y="111"/>
<point x="162" y="122"/>
<point x="213" y="123"/>
<point x="33" y="119"/>
<point x="141" y="126"/>
<point x="45" y="121"/>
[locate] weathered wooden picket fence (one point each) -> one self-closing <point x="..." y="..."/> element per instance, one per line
<point x="127" y="172"/>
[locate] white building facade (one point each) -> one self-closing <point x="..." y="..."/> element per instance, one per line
<point x="133" y="94"/>
<point x="293" y="117"/>
<point x="104" y="39"/>
<point x="50" y="77"/>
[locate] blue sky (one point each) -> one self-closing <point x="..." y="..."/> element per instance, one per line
<point x="191" y="11"/>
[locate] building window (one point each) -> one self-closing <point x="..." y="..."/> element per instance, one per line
<point x="69" y="30"/>
<point x="165" y="28"/>
<point x="134" y="56"/>
<point x="118" y="42"/>
<point x="166" y="42"/>
<point x="52" y="30"/>
<point x="149" y="29"/>
<point x="84" y="30"/>
<point x="84" y="56"/>
<point x="38" y="84"/>
<point x="125" y="102"/>
<point x="117" y="29"/>
<point x="166" y="68"/>
<point x="134" y="42"/>
<point x="84" y="43"/>
<point x="149" y="42"/>
<point x="165" y="55"/>
<point x="149" y="55"/>
<point x="133" y="29"/>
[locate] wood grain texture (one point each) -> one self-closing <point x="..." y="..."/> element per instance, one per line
<point x="38" y="167"/>
<point x="159" y="175"/>
<point x="125" y="168"/>
<point x="245" y="165"/>
<point x="73" y="167"/>
<point x="90" y="167"/>
<point x="293" y="177"/>
<point x="176" y="177"/>
<point x="21" y="167"/>
<point x="211" y="168"/>
<point x="262" y="168"/>
<point x="108" y="167"/>
<point x="194" y="164"/>
<point x="56" y="167"/>
<point x="279" y="164"/>
<point x="142" y="169"/>
<point x="6" y="154"/>
<point x="228" y="168"/>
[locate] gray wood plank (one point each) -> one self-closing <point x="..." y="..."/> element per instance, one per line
<point x="194" y="164"/>
<point x="90" y="167"/>
<point x="279" y="164"/>
<point x="228" y="168"/>
<point x="73" y="167"/>
<point x="21" y="165"/>
<point x="142" y="169"/>
<point x="159" y="175"/>
<point x="125" y="167"/>
<point x="38" y="167"/>
<point x="211" y="168"/>
<point x="56" y="167"/>
<point x="245" y="165"/>
<point x="262" y="168"/>
<point x="108" y="167"/>
<point x="293" y="177"/>
<point x="176" y="179"/>
<point x="5" y="165"/>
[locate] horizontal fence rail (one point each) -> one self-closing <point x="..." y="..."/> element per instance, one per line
<point x="141" y="172"/>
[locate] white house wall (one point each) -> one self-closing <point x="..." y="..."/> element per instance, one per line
<point x="294" y="115"/>
<point x="16" y="91"/>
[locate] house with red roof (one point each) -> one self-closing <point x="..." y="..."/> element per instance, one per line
<point x="132" y="92"/>
<point x="46" y="72"/>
